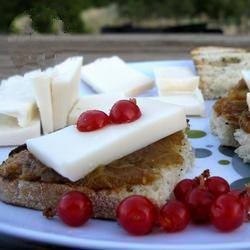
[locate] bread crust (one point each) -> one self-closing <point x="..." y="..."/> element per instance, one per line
<point x="40" y="196"/>
<point x="221" y="128"/>
<point x="219" y="68"/>
<point x="215" y="49"/>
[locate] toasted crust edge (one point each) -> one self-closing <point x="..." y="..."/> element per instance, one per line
<point x="21" y="193"/>
<point x="221" y="128"/>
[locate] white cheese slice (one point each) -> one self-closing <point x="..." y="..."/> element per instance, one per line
<point x="13" y="78"/>
<point x="175" y="78"/>
<point x="248" y="101"/>
<point x="102" y="102"/>
<point x="107" y="75"/>
<point x="42" y="91"/>
<point x="17" y="100"/>
<point x="75" y="154"/>
<point x="65" y="89"/>
<point x="11" y="134"/>
<point x="31" y="74"/>
<point x="246" y="77"/>
<point x="192" y="102"/>
<point x="21" y="110"/>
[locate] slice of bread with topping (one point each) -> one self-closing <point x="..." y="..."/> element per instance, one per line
<point x="227" y="112"/>
<point x="224" y="130"/>
<point x="219" y="69"/>
<point x="152" y="171"/>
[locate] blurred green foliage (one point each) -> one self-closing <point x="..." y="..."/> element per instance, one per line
<point x="44" y="11"/>
<point x="42" y="18"/>
<point x="40" y="10"/>
<point x="221" y="10"/>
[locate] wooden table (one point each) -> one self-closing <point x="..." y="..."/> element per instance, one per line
<point x="28" y="51"/>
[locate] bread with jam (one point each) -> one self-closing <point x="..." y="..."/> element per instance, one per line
<point x="152" y="171"/>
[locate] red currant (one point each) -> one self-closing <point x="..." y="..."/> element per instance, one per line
<point x="244" y="199"/>
<point x="174" y="216"/>
<point x="199" y="202"/>
<point x="227" y="212"/>
<point x="136" y="214"/>
<point x="235" y="192"/>
<point x="217" y="185"/>
<point x="74" y="208"/>
<point x="92" y="120"/>
<point x="183" y="188"/>
<point x="124" y="111"/>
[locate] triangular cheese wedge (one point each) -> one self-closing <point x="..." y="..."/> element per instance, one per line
<point x="65" y="89"/>
<point x="17" y="99"/>
<point x="12" y="134"/>
<point x="42" y="91"/>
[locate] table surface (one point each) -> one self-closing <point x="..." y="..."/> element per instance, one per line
<point x="19" y="54"/>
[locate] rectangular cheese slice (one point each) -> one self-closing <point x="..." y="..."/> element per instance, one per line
<point x="42" y="91"/>
<point x="12" y="134"/>
<point x="102" y="102"/>
<point x="107" y="75"/>
<point x="65" y="89"/>
<point x="75" y="154"/>
<point x="175" y="78"/>
<point x="192" y="102"/>
<point x="17" y="99"/>
<point x="178" y="85"/>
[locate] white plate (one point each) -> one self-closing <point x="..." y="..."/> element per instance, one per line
<point x="100" y="234"/>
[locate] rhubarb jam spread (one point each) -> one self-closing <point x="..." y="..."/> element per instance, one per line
<point x="233" y="108"/>
<point x="141" y="167"/>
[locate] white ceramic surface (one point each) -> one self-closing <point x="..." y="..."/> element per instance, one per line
<point x="99" y="234"/>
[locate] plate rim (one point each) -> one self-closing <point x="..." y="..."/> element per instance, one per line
<point x="68" y="241"/>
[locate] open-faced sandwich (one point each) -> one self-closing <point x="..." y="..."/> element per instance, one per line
<point x="230" y="119"/>
<point x="228" y="113"/>
<point x="219" y="68"/>
<point x="146" y="156"/>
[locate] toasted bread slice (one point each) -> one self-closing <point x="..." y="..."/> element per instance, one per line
<point x="219" y="68"/>
<point x="214" y="49"/>
<point x="152" y="171"/>
<point x="225" y="118"/>
<point x="225" y="131"/>
<point x="243" y="138"/>
<point x="230" y="120"/>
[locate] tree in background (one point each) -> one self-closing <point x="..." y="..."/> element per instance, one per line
<point x="219" y="11"/>
<point x="43" y="18"/>
<point x="42" y="13"/>
<point x="66" y="10"/>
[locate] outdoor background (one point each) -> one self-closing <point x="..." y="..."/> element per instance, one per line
<point x="95" y="16"/>
<point x="40" y="33"/>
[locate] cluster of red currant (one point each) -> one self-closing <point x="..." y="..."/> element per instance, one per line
<point x="123" y="111"/>
<point x="203" y="199"/>
<point x="209" y="199"/>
